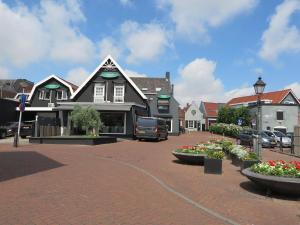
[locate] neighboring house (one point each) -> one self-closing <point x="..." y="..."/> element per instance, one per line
<point x="193" y="118"/>
<point x="160" y="95"/>
<point x="13" y="88"/>
<point x="108" y="89"/>
<point x="210" y="113"/>
<point x="280" y="109"/>
<point x="181" y="115"/>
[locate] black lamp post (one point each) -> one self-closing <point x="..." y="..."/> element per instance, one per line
<point x="259" y="88"/>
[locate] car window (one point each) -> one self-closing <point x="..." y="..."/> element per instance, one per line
<point x="279" y="134"/>
<point x="147" y="122"/>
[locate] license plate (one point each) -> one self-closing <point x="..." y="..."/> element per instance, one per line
<point x="141" y="131"/>
<point x="25" y="127"/>
<point x="273" y="143"/>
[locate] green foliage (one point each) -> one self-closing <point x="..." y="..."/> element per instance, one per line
<point x="215" y="154"/>
<point x="230" y="130"/>
<point x="86" y="118"/>
<point x="250" y="156"/>
<point x="231" y="115"/>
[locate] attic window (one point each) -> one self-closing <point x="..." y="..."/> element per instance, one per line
<point x="144" y="89"/>
<point x="158" y="89"/>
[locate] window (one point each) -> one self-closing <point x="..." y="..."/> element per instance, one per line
<point x="119" y="93"/>
<point x="191" y="124"/>
<point x="99" y="93"/>
<point x="144" y="89"/>
<point x="113" y="123"/>
<point x="279" y="115"/>
<point x="158" y="89"/>
<point x="41" y="95"/>
<point x="46" y="95"/>
<point x="163" y="106"/>
<point x="61" y="95"/>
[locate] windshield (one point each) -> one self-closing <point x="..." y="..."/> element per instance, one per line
<point x="279" y="134"/>
<point x="146" y="122"/>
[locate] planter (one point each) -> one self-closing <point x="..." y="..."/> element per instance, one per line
<point x="248" y="163"/>
<point x="281" y="185"/>
<point x="235" y="160"/>
<point x="190" y="158"/>
<point x="213" y="166"/>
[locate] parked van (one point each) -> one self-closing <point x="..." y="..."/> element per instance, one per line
<point x="151" y="128"/>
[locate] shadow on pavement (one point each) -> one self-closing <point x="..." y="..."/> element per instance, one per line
<point x="254" y="189"/>
<point x="185" y="163"/>
<point x="18" y="164"/>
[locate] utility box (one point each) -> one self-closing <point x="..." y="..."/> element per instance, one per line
<point x="297" y="140"/>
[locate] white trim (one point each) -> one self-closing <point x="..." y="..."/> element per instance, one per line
<point x="269" y="101"/>
<point x="100" y="98"/>
<point x="20" y="93"/>
<point x="46" y="79"/>
<point x="98" y="68"/>
<point x="293" y="94"/>
<point x="123" y="93"/>
<point x="36" y="109"/>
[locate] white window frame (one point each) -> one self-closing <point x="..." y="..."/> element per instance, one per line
<point x="64" y="95"/>
<point x="117" y="98"/>
<point x="100" y="98"/>
<point x="41" y="95"/>
<point x="191" y="122"/>
<point x="45" y="95"/>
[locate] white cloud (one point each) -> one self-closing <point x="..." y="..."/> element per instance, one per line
<point x="4" y="73"/>
<point x="281" y="36"/>
<point x="108" y="46"/>
<point x="77" y="75"/>
<point x="295" y="88"/>
<point x="131" y="73"/>
<point x="199" y="83"/>
<point x="143" y="41"/>
<point x="48" y="30"/>
<point x="193" y="17"/>
<point x="137" y="42"/>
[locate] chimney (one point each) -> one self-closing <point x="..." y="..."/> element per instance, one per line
<point x="172" y="89"/>
<point x="168" y="76"/>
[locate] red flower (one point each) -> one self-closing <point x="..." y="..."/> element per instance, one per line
<point x="272" y="163"/>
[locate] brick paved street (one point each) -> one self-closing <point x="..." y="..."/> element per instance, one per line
<point x="117" y="184"/>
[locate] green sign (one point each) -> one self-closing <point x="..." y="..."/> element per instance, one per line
<point x="164" y="96"/>
<point x="52" y="86"/>
<point x="106" y="74"/>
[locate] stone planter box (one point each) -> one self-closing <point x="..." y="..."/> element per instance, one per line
<point x="213" y="166"/>
<point x="235" y="160"/>
<point x="248" y="163"/>
<point x="197" y="159"/>
<point x="280" y="185"/>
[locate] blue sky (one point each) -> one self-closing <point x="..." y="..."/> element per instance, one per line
<point x="214" y="49"/>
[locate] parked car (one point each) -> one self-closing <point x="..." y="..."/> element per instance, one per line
<point x="246" y="138"/>
<point x="285" y="140"/>
<point x="151" y="128"/>
<point x="26" y="129"/>
<point x="2" y="132"/>
<point x="11" y="128"/>
<point x="290" y="134"/>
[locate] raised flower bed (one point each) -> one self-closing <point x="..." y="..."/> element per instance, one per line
<point x="191" y="154"/>
<point x="276" y="176"/>
<point x="213" y="162"/>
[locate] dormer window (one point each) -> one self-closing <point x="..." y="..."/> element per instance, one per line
<point x="119" y="91"/>
<point x="61" y="95"/>
<point x="47" y="95"/>
<point x="158" y="89"/>
<point x="41" y="95"/>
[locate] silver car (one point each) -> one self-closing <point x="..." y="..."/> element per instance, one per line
<point x="280" y="137"/>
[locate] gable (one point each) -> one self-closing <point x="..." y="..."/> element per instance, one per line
<point x="108" y="69"/>
<point x="290" y="99"/>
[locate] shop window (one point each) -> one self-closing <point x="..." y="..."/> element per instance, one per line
<point x="112" y="123"/>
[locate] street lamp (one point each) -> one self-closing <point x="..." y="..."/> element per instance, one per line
<point x="259" y="88"/>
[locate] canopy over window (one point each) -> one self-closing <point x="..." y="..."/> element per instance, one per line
<point x="52" y="86"/>
<point x="106" y="74"/>
<point x="164" y="96"/>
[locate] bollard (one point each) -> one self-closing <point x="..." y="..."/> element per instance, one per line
<point x="15" y="144"/>
<point x="281" y="149"/>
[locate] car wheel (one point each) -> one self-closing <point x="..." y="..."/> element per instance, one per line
<point x="3" y="135"/>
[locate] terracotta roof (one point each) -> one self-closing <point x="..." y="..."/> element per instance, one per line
<point x="211" y="108"/>
<point x="276" y="97"/>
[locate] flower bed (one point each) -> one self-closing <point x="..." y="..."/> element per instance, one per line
<point x="278" y="168"/>
<point x="230" y="130"/>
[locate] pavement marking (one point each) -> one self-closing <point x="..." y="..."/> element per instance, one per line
<point x="172" y="190"/>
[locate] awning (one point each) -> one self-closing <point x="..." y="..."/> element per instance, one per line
<point x="108" y="75"/>
<point x="52" y="86"/>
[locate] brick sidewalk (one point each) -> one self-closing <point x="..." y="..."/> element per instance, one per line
<point x="64" y="184"/>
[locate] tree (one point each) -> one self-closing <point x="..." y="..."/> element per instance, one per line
<point x="230" y="115"/>
<point x="86" y="118"/>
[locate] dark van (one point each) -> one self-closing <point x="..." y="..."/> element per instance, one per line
<point x="151" y="128"/>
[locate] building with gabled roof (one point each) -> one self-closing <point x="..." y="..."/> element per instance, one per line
<point x="210" y="113"/>
<point x="280" y="109"/>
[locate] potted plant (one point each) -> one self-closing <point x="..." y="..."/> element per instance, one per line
<point x="249" y="160"/>
<point x="191" y="154"/>
<point x="213" y="162"/>
<point x="237" y="153"/>
<point x="276" y="175"/>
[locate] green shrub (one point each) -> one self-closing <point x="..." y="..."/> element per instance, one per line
<point x="215" y="154"/>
